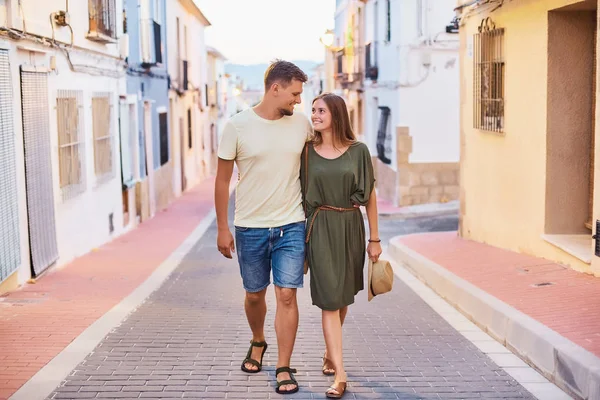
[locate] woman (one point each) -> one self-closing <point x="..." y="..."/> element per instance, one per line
<point x="337" y="178"/>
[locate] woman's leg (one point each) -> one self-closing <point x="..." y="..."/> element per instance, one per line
<point x="328" y="367"/>
<point x="332" y="331"/>
<point x="343" y="312"/>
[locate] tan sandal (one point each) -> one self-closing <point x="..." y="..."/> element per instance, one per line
<point x="336" y="391"/>
<point x="327" y="371"/>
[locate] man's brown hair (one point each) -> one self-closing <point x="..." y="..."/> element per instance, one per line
<point x="283" y="72"/>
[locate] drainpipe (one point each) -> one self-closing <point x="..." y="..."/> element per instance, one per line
<point x="22" y="15"/>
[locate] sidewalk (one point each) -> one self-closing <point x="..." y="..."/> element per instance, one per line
<point x="39" y="320"/>
<point x="547" y="314"/>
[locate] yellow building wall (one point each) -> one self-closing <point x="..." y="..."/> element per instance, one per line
<point x="503" y="176"/>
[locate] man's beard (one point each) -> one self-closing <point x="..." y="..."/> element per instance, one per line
<point x="286" y="113"/>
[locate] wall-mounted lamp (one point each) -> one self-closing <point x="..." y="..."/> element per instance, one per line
<point x="327" y="38"/>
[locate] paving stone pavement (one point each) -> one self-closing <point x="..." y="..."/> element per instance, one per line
<point x="188" y="340"/>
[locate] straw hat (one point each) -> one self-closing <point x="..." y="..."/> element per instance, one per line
<point x="380" y="278"/>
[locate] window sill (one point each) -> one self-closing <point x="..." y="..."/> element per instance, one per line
<point x="100" y="37"/>
<point x="579" y="246"/>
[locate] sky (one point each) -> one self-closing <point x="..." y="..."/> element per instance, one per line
<point x="258" y="31"/>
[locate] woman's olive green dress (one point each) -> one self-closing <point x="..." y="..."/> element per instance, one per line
<point x="337" y="244"/>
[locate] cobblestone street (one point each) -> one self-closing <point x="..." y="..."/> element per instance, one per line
<point x="188" y="339"/>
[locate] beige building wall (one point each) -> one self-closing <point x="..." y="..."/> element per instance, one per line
<point x="527" y="189"/>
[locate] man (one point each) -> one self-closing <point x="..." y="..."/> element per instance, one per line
<point x="266" y="143"/>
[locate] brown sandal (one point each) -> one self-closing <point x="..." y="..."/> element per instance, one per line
<point x="327" y="371"/>
<point x="336" y="391"/>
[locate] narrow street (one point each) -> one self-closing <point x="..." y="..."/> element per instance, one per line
<point x="189" y="337"/>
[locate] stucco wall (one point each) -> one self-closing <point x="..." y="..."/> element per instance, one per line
<point x="503" y="176"/>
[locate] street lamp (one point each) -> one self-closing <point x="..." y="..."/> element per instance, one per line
<point x="327" y="38"/>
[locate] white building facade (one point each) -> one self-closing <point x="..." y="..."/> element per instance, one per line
<point x="188" y="98"/>
<point x="414" y="102"/>
<point x="61" y="76"/>
<point x="406" y="104"/>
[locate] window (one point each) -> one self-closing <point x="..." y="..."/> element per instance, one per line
<point x="102" y="19"/>
<point x="103" y="136"/>
<point x="383" y="136"/>
<point x="150" y="33"/>
<point x="71" y="149"/>
<point x="164" y="138"/>
<point x="388" y="22"/>
<point x="189" y="120"/>
<point x="488" y="79"/>
<point x="420" y="30"/>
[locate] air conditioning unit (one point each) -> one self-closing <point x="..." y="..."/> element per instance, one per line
<point x="124" y="46"/>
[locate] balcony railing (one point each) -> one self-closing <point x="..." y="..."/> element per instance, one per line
<point x="151" y="42"/>
<point x="349" y="66"/>
<point x="102" y="19"/>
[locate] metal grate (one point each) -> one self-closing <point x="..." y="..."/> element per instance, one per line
<point x="71" y="143"/>
<point x="10" y="248"/>
<point x="488" y="78"/>
<point x="38" y="169"/>
<point x="103" y="136"/>
<point x="102" y="17"/>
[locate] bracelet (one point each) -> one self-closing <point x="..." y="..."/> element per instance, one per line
<point x="375" y="241"/>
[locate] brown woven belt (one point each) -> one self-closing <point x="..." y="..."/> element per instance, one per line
<point x="326" y="208"/>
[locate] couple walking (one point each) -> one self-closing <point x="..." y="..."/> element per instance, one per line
<point x="298" y="197"/>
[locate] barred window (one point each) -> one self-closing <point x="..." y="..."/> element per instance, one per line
<point x="489" y="78"/>
<point x="102" y="17"/>
<point x="71" y="143"/>
<point x="103" y="136"/>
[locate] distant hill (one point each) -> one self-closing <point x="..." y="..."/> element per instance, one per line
<point x="253" y="75"/>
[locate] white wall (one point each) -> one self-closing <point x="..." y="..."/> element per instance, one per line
<point x="426" y="99"/>
<point x="385" y="91"/>
<point x="197" y="76"/>
<point x="82" y="221"/>
<point x="429" y="96"/>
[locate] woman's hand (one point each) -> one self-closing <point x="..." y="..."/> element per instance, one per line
<point x="374" y="251"/>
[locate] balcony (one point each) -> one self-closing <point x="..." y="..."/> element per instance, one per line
<point x="151" y="43"/>
<point x="349" y="68"/>
<point x="102" y="20"/>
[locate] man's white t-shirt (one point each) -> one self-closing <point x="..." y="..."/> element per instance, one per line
<point x="267" y="154"/>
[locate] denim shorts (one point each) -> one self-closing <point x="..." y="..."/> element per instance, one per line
<point x="261" y="249"/>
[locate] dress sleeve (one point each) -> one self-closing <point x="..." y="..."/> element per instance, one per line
<point x="303" y="176"/>
<point x="364" y="177"/>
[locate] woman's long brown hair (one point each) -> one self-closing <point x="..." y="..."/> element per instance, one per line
<point x="341" y="129"/>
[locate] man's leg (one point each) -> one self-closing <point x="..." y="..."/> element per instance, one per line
<point x="286" y="326"/>
<point x="256" y="310"/>
<point x="288" y="276"/>
<point x="253" y="256"/>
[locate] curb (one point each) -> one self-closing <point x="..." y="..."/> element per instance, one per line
<point x="418" y="211"/>
<point x="566" y="364"/>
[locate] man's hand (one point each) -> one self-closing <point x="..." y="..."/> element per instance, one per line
<point x="225" y="243"/>
<point x="224" y="237"/>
